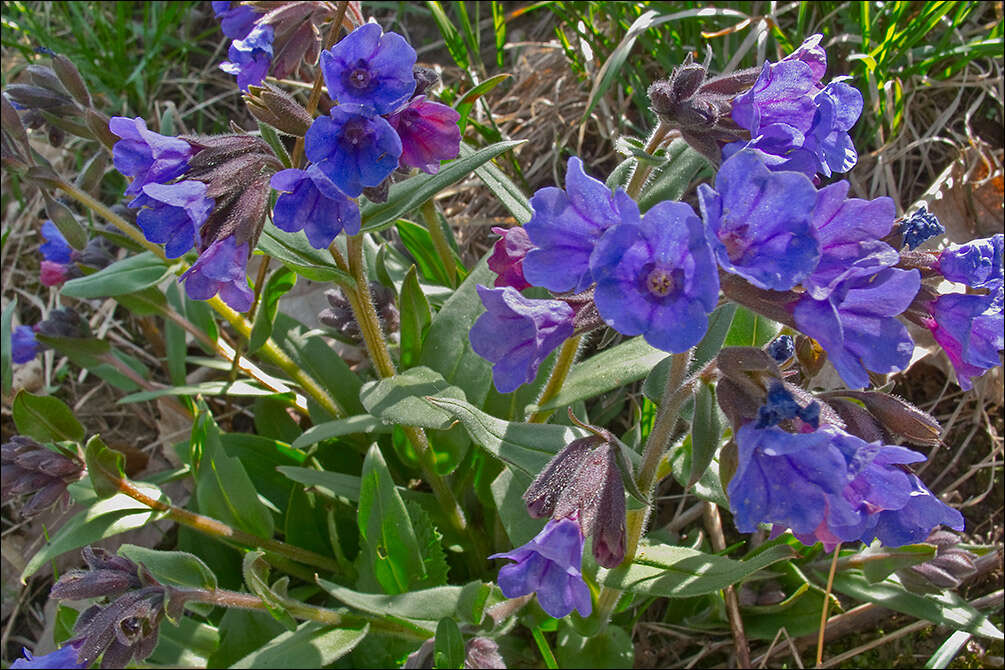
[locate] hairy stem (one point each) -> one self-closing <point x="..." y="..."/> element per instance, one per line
<point x="559" y="373"/>
<point x="642" y="170"/>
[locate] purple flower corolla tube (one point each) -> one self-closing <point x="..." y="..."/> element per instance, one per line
<point x="657" y="278"/>
<point x="353" y="147"/>
<point x="838" y="107"/>
<point x="370" y="67"/>
<point x="236" y="20"/>
<point x="429" y="133"/>
<point x="566" y="226"/>
<point x="977" y="264"/>
<point x="759" y="223"/>
<point x="55" y="248"/>
<point x="24" y="346"/>
<point x="222" y="268"/>
<point x="849" y="230"/>
<point x="250" y="57"/>
<point x="173" y="213"/>
<point x="551" y="565"/>
<point x="312" y="203"/>
<point x="518" y="333"/>
<point x="969" y="328"/>
<point x="64" y="657"/>
<point x="508" y="255"/>
<point x="146" y="156"/>
<point x="856" y="324"/>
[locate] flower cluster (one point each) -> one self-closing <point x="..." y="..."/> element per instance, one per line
<point x="28" y="467"/>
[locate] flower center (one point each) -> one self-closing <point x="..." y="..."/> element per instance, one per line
<point x="660" y="282"/>
<point x="735" y="242"/>
<point x="354" y="132"/>
<point x="360" y="76"/>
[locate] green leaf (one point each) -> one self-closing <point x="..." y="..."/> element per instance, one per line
<point x="147" y="302"/>
<point x="706" y="430"/>
<point x="468" y="100"/>
<point x="430" y="540"/>
<point x="451" y="37"/>
<point x="6" y="362"/>
<point x="415" y="317"/>
<point x="237" y="388"/>
<point x="45" y="418"/>
<point x="612" y="647"/>
<point x="128" y="275"/>
<point x="186" y="645"/>
<point x="947" y="651"/>
<point x="506" y="192"/>
<point x="526" y="446"/>
<point x="256" y="576"/>
<point x="340" y="485"/>
<point x="102" y="519"/>
<point x="241" y="633"/>
<point x="105" y="467"/>
<point x="401" y="399"/>
<point x="610" y="369"/>
<point x="679" y="572"/>
<point x="354" y="425"/>
<point x="67" y="223"/>
<point x="388" y="544"/>
<point x="409" y="194"/>
<point x="708" y="486"/>
<point x="879" y="562"/>
<point x="945" y="609"/>
<point x="424" y="606"/>
<point x="750" y="330"/>
<point x="798" y="613"/>
<point x="311" y="645"/>
<point x="279" y="284"/>
<point x="88" y="352"/>
<point x="507" y="493"/>
<point x="448" y="648"/>
<point x="419" y="243"/>
<point x="669" y="181"/>
<point x="174" y="568"/>
<point x="295" y="252"/>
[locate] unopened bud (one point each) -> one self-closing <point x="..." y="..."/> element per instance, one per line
<point x="543" y="493"/>
<point x="858" y="421"/>
<point x="951" y="565"/>
<point x="45" y="77"/>
<point x="898" y="416"/>
<point x="97" y="122"/>
<point x="340" y="317"/>
<point x="69" y="75"/>
<point x="425" y="79"/>
<point x="37" y="97"/>
<point x="279" y="110"/>
<point x="64" y="322"/>
<point x="482" y="654"/>
<point x="810" y="355"/>
<point x="378" y="193"/>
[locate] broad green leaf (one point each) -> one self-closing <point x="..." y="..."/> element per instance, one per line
<point x="750" y="330"/>
<point x="175" y="568"/>
<point x="311" y="645"/>
<point x="708" y="486"/>
<point x="507" y="493"/>
<point x="105" y="467"/>
<point x="448" y="647"/>
<point x="295" y="252"/>
<point x="237" y="388"/>
<point x="401" y="399"/>
<point x="430" y="540"/>
<point x="45" y="418"/>
<point x="147" y="302"/>
<point x="612" y="647"/>
<point x="354" y="425"/>
<point x="419" y="243"/>
<point x="241" y="633"/>
<point x="128" y="275"/>
<point x="388" y="543"/>
<point x="256" y="578"/>
<point x="88" y="352"/>
<point x="670" y="180"/>
<point x="706" y="429"/>
<point x="945" y="609"/>
<point x="879" y="562"/>
<point x="415" y="317"/>
<point x="187" y="645"/>
<point x="337" y="484"/>
<point x="798" y="613"/>
<point x="278" y="285"/>
<point x="506" y="192"/>
<point x="424" y="606"/>
<point x="409" y="194"/>
<point x="679" y="572"/>
<point x="273" y="420"/>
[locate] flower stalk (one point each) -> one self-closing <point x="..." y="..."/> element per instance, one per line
<point x="559" y="373"/>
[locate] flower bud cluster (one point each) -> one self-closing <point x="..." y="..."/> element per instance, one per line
<point x="30" y="468"/>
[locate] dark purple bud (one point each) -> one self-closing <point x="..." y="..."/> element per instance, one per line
<point x="28" y="467"/>
<point x="898" y="416"/>
<point x="952" y="564"/>
<point x="45" y="77"/>
<point x="81" y="584"/>
<point x="70" y="77"/>
<point x="425" y="79"/>
<point x="64" y="322"/>
<point x="858" y="421"/>
<point x="507" y="257"/>
<point x="29" y="96"/>
<point x="340" y="316"/>
<point x="378" y="193"/>
<point x="483" y="654"/>
<point x="543" y="493"/>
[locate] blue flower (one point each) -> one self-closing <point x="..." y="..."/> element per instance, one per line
<point x="55" y="248"/>
<point x="782" y="348"/>
<point x="518" y="333"/>
<point x="657" y="278"/>
<point x="429" y="133"/>
<point x="977" y="264"/>
<point x="250" y="57"/>
<point x="64" y="657"/>
<point x="759" y="222"/>
<point x="353" y="147"/>
<point x="969" y="328"/>
<point x="913" y="522"/>
<point x="236" y="19"/>
<point x="838" y="107"/>
<point x="920" y="226"/>
<point x="370" y="67"/>
<point x="148" y="157"/>
<point x="173" y="213"/>
<point x="24" y="346"/>
<point x="856" y="324"/>
<point x="783" y="93"/>
<point x="551" y="565"/>
<point x="221" y="268"/>
<point x="780" y="405"/>
<point x="566" y="226"/>
<point x="312" y="203"/>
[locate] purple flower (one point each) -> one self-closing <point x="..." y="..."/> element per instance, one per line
<point x="429" y="133"/>
<point x="173" y="213"/>
<point x="856" y="326"/>
<point x="920" y="226"/>
<point x="759" y="222"/>
<point x="566" y="226"/>
<point x="370" y="67"/>
<point x="147" y="156"/>
<point x="913" y="522"/>
<point x="53" y="274"/>
<point x="812" y="54"/>
<point x="64" y="657"/>
<point x="849" y="231"/>
<point x="23" y="345"/>
<point x="780" y="147"/>
<point x="236" y="19"/>
<point x="551" y="565"/>
<point x="55" y="248"/>
<point x="838" y="107"/>
<point x="222" y="268"/>
<point x="312" y="203"/>
<point x="657" y="278"/>
<point x="969" y="328"/>
<point x="508" y="255"/>
<point x="353" y="147"/>
<point x="518" y="333"/>
<point x="250" y="57"/>
<point x="783" y="93"/>
<point x="977" y="264"/>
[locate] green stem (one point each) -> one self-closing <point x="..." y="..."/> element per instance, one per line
<point x="642" y="170"/>
<point x="439" y="240"/>
<point x="559" y="373"/>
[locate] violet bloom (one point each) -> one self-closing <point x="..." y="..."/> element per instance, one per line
<point x="856" y="324"/>
<point x="312" y="203"/>
<point x="969" y="327"/>
<point x="914" y="522"/>
<point x="780" y="147"/>
<point x="429" y="133"/>
<point x="222" y="268"/>
<point x="551" y="565"/>
<point x="370" y="67"/>
<point x="24" y="346"/>
<point x="977" y="264"/>
<point x="173" y="213"/>
<point x="657" y="278"/>
<point x="353" y="147"/>
<point x="148" y="157"/>
<point x="508" y="255"/>
<point x="759" y="222"/>
<point x="236" y="20"/>
<point x="849" y="232"/>
<point x="838" y="107"/>
<point x="250" y="57"/>
<point x="518" y="333"/>
<point x="55" y="248"/>
<point x="64" y="657"/>
<point x="566" y="226"/>
<point x="783" y="93"/>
